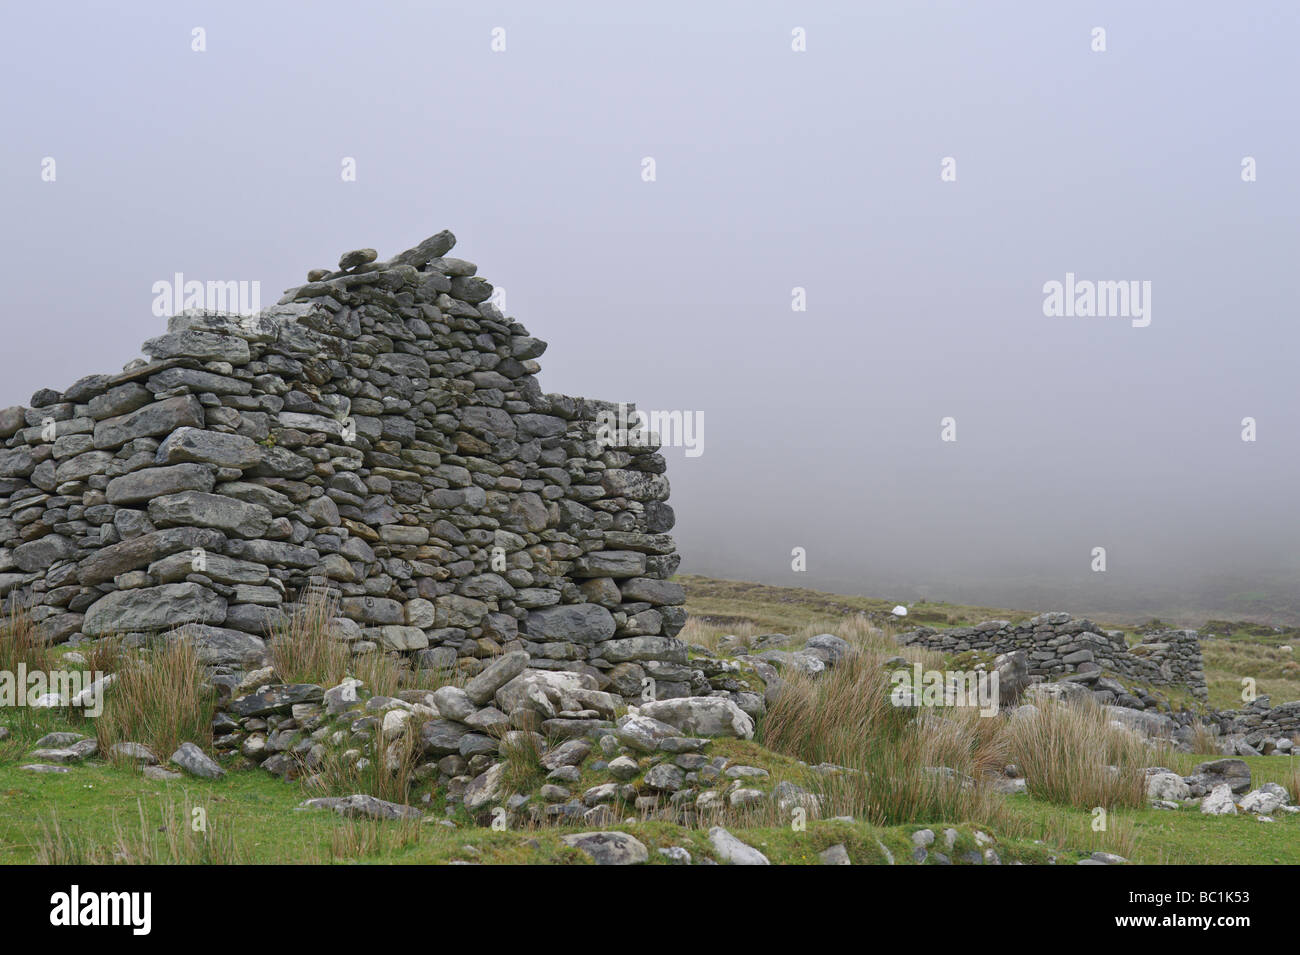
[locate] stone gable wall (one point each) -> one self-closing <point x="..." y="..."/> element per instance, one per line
<point x="379" y="432"/>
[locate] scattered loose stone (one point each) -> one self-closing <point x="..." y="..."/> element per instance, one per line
<point x="1265" y="800"/>
<point x="609" y="848"/>
<point x="1219" y="802"/>
<point x="361" y="805"/>
<point x="732" y="850"/>
<point x="1167" y="787"/>
<point x="158" y="774"/>
<point x="197" y="763"/>
<point x="623" y="767"/>
<point x="134" y="752"/>
<point x="835" y="855"/>
<point x="74" y="753"/>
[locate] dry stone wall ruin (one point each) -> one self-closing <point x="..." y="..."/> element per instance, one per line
<point x="380" y="432"/>
<point x="1058" y="645"/>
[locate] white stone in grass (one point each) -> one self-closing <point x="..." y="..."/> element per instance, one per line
<point x="1265" y="800"/>
<point x="732" y="850"/>
<point x="835" y="855"/>
<point x="1219" y="802"/>
<point x="1166" y="787"/>
<point x="889" y="856"/>
<point x="196" y="762"/>
<point x="93" y="695"/>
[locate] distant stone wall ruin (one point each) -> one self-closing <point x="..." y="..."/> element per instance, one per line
<point x="1059" y="645"/>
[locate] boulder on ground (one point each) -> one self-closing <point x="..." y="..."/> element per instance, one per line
<point x="485" y="788"/>
<point x="732" y="850"/>
<point x="1167" y="787"/>
<point x="1266" y="800"/>
<point x="1234" y="772"/>
<point x="1219" y="802"/>
<point x="482" y="687"/>
<point x="364" y="806"/>
<point x="196" y="762"/>
<point x="1013" y="676"/>
<point x="643" y="733"/>
<point x="1146" y="723"/>
<point x="700" y="716"/>
<point x="609" y="848"/>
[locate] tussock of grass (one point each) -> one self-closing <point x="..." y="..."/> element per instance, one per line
<point x="1203" y="740"/>
<point x="367" y="838"/>
<point x="1078" y="832"/>
<point x="903" y="764"/>
<point x="160" y="699"/>
<point x="1291" y="781"/>
<point x="522" y="754"/>
<point x="1072" y="755"/>
<point x="385" y="767"/>
<point x="180" y="835"/>
<point x="381" y="672"/>
<point x="304" y="649"/>
<point x="20" y="643"/>
<point x="105" y="655"/>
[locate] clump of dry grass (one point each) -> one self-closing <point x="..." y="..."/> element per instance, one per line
<point x="160" y="699"/>
<point x="1072" y="755"/>
<point x="105" y="655"/>
<point x="304" y="648"/>
<point x="704" y="634"/>
<point x="1291" y="781"/>
<point x="382" y="673"/>
<point x="361" y="838"/>
<point x="181" y="835"/>
<point x="522" y="753"/>
<point x="385" y="768"/>
<point x="20" y="643"/>
<point x="1203" y="739"/>
<point x="900" y="764"/>
<point x="1074" y="831"/>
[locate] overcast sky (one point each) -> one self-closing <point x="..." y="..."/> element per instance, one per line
<point x="773" y="169"/>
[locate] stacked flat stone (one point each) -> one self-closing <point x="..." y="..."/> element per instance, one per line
<point x="1059" y="645"/>
<point x="1260" y="728"/>
<point x="379" y="433"/>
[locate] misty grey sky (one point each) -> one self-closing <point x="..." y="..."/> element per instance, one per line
<point x="775" y="169"/>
